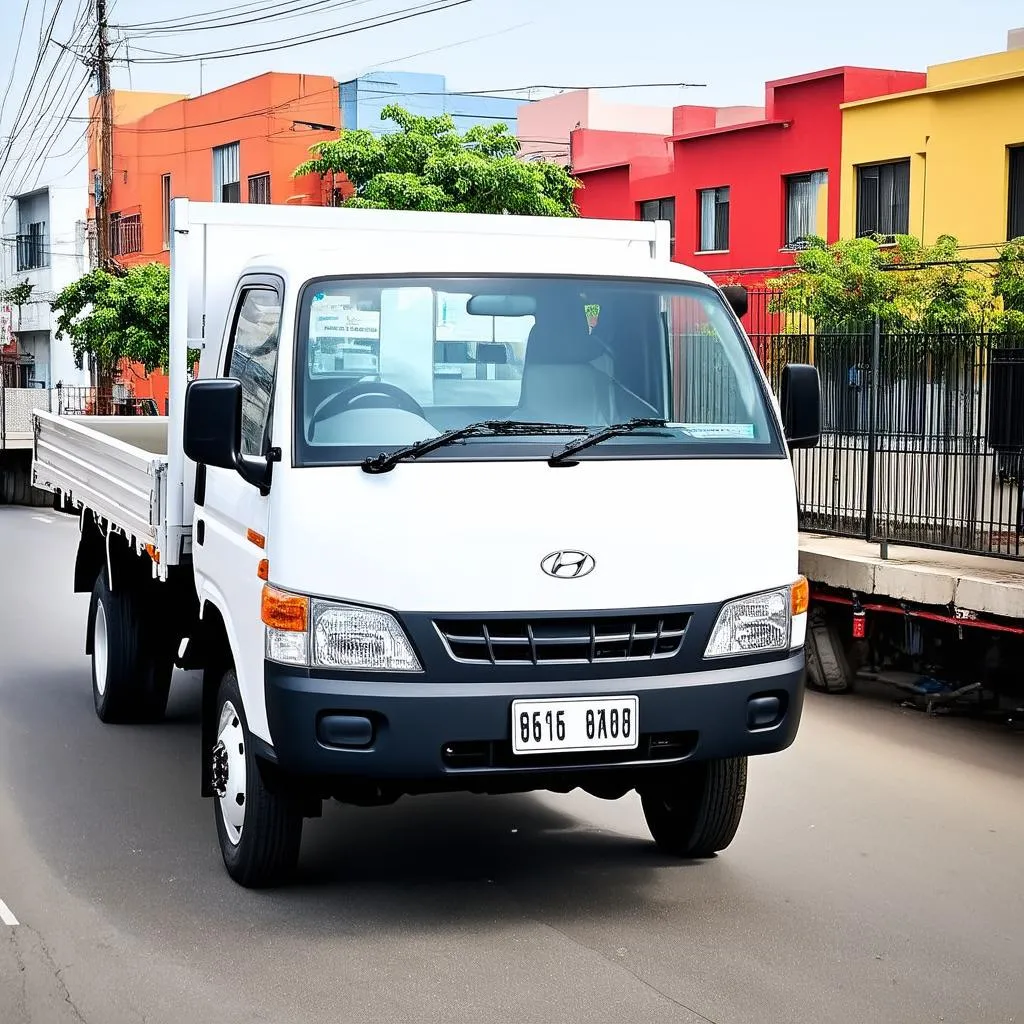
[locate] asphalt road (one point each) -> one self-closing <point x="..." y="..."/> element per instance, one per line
<point x="877" y="876"/>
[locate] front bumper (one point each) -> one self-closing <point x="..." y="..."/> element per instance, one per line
<point x="420" y="731"/>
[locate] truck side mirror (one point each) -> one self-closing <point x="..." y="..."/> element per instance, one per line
<point x="213" y="431"/>
<point x="737" y="297"/>
<point x="800" y="403"/>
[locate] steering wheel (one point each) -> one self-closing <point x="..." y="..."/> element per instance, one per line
<point x="369" y="392"/>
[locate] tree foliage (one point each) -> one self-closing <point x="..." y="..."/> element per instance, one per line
<point x="18" y="295"/>
<point x="427" y="165"/>
<point x="114" y="317"/>
<point x="909" y="286"/>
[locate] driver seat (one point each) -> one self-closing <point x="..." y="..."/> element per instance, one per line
<point x="560" y="382"/>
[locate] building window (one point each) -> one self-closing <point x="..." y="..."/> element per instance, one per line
<point x="165" y="204"/>
<point x="259" y="188"/>
<point x="883" y="199"/>
<point x="661" y="209"/>
<point x="1015" y="228"/>
<point x="33" y="253"/>
<point x="806" y="208"/>
<point x="714" y="219"/>
<point x="125" y="234"/>
<point x="227" y="178"/>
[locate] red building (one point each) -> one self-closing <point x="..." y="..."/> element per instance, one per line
<point x="743" y="186"/>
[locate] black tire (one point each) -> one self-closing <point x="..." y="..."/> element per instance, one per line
<point x="828" y="667"/>
<point x="696" y="811"/>
<point x="136" y="673"/>
<point x="265" y="852"/>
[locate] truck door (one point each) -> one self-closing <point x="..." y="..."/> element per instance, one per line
<point x="231" y="516"/>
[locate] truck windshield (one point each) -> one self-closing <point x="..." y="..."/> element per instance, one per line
<point x="383" y="363"/>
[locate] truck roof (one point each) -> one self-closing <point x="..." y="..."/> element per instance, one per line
<point x="452" y="257"/>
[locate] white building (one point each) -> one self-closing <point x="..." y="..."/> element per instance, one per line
<point x="45" y="245"/>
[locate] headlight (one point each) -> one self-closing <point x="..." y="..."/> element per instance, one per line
<point x="330" y="635"/>
<point x="760" y="624"/>
<point x="361" y="638"/>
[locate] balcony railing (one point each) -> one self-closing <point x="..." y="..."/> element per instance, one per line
<point x="33" y="253"/>
<point x="125" y="234"/>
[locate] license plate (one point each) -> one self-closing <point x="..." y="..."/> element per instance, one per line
<point x="574" y="724"/>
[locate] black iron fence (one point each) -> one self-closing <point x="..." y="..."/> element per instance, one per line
<point x="922" y="434"/>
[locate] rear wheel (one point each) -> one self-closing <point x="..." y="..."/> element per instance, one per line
<point x="131" y="676"/>
<point x="260" y="831"/>
<point x="696" y="810"/>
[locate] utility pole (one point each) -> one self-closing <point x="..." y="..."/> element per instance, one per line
<point x="106" y="136"/>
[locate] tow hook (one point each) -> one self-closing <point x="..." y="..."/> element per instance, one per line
<point x="220" y="769"/>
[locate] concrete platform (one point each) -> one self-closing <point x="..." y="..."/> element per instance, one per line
<point x="988" y="586"/>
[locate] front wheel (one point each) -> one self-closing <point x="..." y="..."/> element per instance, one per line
<point x="696" y="810"/>
<point x="260" y="831"/>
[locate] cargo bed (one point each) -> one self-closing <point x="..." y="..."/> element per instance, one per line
<point x="115" y="466"/>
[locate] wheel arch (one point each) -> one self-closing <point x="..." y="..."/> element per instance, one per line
<point x="218" y="657"/>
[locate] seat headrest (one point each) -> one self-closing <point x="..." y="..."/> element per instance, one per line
<point x="561" y="335"/>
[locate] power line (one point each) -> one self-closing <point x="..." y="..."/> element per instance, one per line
<point x="199" y="17"/>
<point x="14" y="62"/>
<point x="291" y="11"/>
<point x="39" y="146"/>
<point x="32" y="115"/>
<point x="406" y="14"/>
<point x="18" y="126"/>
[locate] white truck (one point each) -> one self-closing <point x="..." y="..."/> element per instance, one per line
<point x="570" y="561"/>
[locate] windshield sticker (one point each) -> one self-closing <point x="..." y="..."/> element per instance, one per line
<point x="334" y="317"/>
<point x="711" y="431"/>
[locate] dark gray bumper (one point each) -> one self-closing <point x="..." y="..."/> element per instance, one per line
<point x="423" y="731"/>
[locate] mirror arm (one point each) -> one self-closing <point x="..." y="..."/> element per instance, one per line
<point x="258" y="470"/>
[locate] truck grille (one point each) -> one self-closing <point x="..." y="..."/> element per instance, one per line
<point x="563" y="641"/>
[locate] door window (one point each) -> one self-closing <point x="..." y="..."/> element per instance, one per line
<point x="252" y="359"/>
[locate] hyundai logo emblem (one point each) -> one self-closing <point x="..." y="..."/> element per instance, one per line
<point x="568" y="565"/>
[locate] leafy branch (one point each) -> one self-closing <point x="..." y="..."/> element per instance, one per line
<point x="428" y="165"/>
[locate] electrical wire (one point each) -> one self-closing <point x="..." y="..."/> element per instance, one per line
<point x="55" y="108"/>
<point x="35" y="107"/>
<point x="352" y="28"/>
<point x="263" y="111"/>
<point x="44" y="155"/>
<point x="54" y="95"/>
<point x="200" y="17"/>
<point x="315" y="6"/>
<point x="458" y="42"/>
<point x="14" y="62"/>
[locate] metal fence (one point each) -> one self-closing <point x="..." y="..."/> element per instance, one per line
<point x="922" y="434"/>
<point x="90" y="401"/>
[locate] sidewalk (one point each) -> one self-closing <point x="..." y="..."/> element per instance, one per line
<point x="988" y="586"/>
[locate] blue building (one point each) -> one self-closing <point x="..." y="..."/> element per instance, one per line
<point x="364" y="98"/>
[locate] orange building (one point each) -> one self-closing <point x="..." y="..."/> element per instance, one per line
<point x="237" y="144"/>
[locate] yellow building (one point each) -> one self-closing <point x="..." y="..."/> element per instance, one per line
<point x="947" y="159"/>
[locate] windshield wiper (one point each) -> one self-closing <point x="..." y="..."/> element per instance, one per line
<point x="383" y="463"/>
<point x="564" y="457"/>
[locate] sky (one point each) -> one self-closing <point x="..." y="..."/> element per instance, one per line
<point x="729" y="47"/>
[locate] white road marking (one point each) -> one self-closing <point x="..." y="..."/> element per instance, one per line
<point x="44" y="519"/>
<point x="6" y="916"/>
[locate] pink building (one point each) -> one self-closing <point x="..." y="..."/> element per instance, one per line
<point x="545" y="126"/>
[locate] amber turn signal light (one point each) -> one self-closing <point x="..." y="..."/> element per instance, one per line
<point x="284" y="611"/>
<point x="801" y="596"/>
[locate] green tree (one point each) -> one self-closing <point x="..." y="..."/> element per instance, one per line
<point x="909" y="286"/>
<point x="427" y="165"/>
<point x="1009" y="285"/>
<point x="18" y="295"/>
<point x="117" y="316"/>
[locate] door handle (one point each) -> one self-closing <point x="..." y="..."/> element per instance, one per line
<point x="200" y="531"/>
